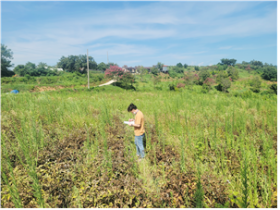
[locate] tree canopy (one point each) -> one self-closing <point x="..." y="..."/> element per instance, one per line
<point x="32" y="70"/>
<point x="6" y="57"/>
<point x="229" y="62"/>
<point x="269" y="73"/>
<point x="179" y="65"/>
<point x="74" y="63"/>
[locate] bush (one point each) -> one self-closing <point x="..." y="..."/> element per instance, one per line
<point x="268" y="92"/>
<point x="180" y="85"/>
<point x="243" y="94"/>
<point x="273" y="87"/>
<point x="233" y="73"/>
<point x="124" y="86"/>
<point x="171" y="87"/>
<point x="114" y="72"/>
<point x="209" y="81"/>
<point x="255" y="90"/>
<point x="224" y="85"/>
<point x="204" y="75"/>
<point x="154" y="71"/>
<point x="158" y="88"/>
<point x="270" y="73"/>
<point x="178" y="70"/>
<point x="255" y="83"/>
<point x="205" y="88"/>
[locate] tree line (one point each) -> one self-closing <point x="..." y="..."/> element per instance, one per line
<point x="78" y="64"/>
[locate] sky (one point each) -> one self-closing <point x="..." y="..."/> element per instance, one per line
<point x="141" y="33"/>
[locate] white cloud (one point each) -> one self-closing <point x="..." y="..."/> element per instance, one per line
<point x="114" y="30"/>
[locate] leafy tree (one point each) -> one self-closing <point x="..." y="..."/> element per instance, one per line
<point x="196" y="68"/>
<point x="41" y="64"/>
<point x="76" y="63"/>
<point x="256" y="84"/>
<point x="6" y="57"/>
<point x="203" y="75"/>
<point x="127" y="79"/>
<point x="228" y="62"/>
<point x="114" y="72"/>
<point x="154" y="71"/>
<point x="224" y="85"/>
<point x="256" y="63"/>
<point x="248" y="68"/>
<point x="111" y="64"/>
<point x="179" y="65"/>
<point x="142" y="70"/>
<point x="221" y="75"/>
<point x="30" y="66"/>
<point x="178" y="70"/>
<point x="160" y="66"/>
<point x="185" y="66"/>
<point x="102" y="66"/>
<point x="222" y="67"/>
<point x="20" y="70"/>
<point x="233" y="73"/>
<point x="269" y="73"/>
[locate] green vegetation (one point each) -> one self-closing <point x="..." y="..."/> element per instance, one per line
<point x="205" y="147"/>
<point x="6" y="57"/>
<point x="70" y="148"/>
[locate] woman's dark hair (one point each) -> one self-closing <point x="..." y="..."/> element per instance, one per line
<point x="130" y="107"/>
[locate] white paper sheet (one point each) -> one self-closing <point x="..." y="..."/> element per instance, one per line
<point x="127" y="122"/>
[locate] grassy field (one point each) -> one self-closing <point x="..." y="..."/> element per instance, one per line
<point x="47" y="83"/>
<point x="70" y="148"/>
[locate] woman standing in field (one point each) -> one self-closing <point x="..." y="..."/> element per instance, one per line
<point x="139" y="130"/>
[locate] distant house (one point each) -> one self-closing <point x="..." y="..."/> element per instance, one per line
<point x="130" y="69"/>
<point x="164" y="69"/>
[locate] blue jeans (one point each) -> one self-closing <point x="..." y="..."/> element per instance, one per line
<point x="139" y="145"/>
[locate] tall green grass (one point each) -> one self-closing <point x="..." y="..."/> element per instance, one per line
<point x="196" y="125"/>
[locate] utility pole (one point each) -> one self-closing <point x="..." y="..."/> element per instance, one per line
<point x="87" y="69"/>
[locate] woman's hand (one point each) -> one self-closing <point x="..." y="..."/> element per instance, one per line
<point x="130" y="120"/>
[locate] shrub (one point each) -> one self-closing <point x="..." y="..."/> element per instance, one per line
<point x="204" y="75"/>
<point x="268" y="92"/>
<point x="255" y="90"/>
<point x="154" y="71"/>
<point x="222" y="75"/>
<point x="205" y="88"/>
<point x="273" y="87"/>
<point x="255" y="83"/>
<point x="171" y="87"/>
<point x="114" y="72"/>
<point x="233" y="73"/>
<point x="172" y="73"/>
<point x="208" y="81"/>
<point x="180" y="85"/>
<point x="270" y="73"/>
<point x="158" y="88"/>
<point x="224" y="85"/>
<point x="178" y="70"/>
<point x="124" y="86"/>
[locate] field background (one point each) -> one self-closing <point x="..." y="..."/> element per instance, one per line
<point x="70" y="148"/>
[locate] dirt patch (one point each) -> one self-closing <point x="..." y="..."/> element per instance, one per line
<point x="47" y="88"/>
